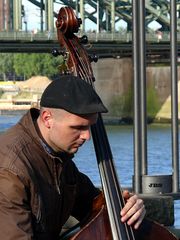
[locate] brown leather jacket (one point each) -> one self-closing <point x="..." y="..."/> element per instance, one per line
<point x="38" y="191"/>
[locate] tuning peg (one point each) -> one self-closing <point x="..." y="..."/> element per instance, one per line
<point x="79" y="21"/>
<point x="93" y="58"/>
<point x="55" y="52"/>
<point x="84" y="39"/>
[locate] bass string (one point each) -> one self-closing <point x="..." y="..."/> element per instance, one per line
<point x="80" y="71"/>
<point x="108" y="178"/>
<point x="108" y="167"/>
<point x="128" y="231"/>
<point x="83" y="66"/>
<point x="84" y="63"/>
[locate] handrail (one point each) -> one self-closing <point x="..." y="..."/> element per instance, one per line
<point x="92" y="36"/>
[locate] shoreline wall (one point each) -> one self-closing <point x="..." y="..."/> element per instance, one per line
<point x="114" y="77"/>
<point x="114" y="83"/>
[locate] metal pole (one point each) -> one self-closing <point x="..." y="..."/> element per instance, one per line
<point x="97" y="23"/>
<point x="77" y="11"/>
<point x="137" y="109"/>
<point x="174" y="98"/>
<point x="41" y="15"/>
<point x="113" y="16"/>
<point x="46" y="15"/>
<point x="17" y="15"/>
<point x="142" y="70"/>
<point x="107" y="20"/>
<point x="82" y="15"/>
<point x="140" y="132"/>
<point x="50" y="16"/>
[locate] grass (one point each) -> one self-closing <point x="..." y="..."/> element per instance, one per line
<point x="122" y="106"/>
<point x="6" y="82"/>
<point x="26" y="95"/>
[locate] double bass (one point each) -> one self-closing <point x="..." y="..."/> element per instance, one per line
<point x="104" y="222"/>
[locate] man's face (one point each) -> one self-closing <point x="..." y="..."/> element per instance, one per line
<point x="67" y="132"/>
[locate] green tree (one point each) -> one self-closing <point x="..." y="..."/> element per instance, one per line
<point x="21" y="64"/>
<point x="50" y="65"/>
<point x="6" y="64"/>
<point x="27" y="65"/>
<point x="35" y="64"/>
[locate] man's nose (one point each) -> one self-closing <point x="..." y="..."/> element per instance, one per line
<point x="86" y="134"/>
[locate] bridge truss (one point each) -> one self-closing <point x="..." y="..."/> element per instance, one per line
<point x="105" y="14"/>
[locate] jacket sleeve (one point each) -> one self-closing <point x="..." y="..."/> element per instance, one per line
<point x="15" y="213"/>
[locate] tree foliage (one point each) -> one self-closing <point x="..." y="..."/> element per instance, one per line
<point x="6" y="64"/>
<point x="27" y="65"/>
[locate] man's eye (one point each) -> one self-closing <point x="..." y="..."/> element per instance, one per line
<point x="81" y="127"/>
<point x="77" y="127"/>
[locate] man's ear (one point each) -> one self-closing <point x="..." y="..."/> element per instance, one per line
<point x="46" y="118"/>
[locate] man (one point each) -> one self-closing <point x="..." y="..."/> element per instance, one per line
<point x="40" y="185"/>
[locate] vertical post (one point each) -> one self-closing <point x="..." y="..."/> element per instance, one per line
<point x="17" y="15"/>
<point x="46" y="15"/>
<point x="140" y="132"/>
<point x="77" y="8"/>
<point x="50" y="16"/>
<point x="41" y="15"/>
<point x="97" y="23"/>
<point x="82" y="15"/>
<point x="174" y="97"/>
<point x="11" y="23"/>
<point x="113" y="17"/>
<point x="107" y="20"/>
<point x="142" y="69"/>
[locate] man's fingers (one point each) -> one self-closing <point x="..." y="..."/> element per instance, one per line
<point x="133" y="211"/>
<point x="140" y="219"/>
<point x="133" y="204"/>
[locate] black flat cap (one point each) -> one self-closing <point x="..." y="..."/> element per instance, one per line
<point x="73" y="95"/>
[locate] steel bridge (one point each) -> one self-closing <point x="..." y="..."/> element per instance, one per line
<point x="107" y="40"/>
<point x="105" y="14"/>
<point x="104" y="45"/>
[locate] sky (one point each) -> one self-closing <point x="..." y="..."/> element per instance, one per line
<point x="32" y="15"/>
<point x="33" y="18"/>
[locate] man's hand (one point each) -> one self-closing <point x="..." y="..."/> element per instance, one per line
<point x="133" y="211"/>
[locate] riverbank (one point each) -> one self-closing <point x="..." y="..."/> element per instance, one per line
<point x="18" y="97"/>
<point x="21" y="110"/>
<point x="108" y="120"/>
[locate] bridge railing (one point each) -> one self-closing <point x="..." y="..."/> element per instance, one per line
<point x="92" y="36"/>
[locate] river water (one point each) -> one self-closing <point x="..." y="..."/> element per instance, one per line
<point x="121" y="141"/>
